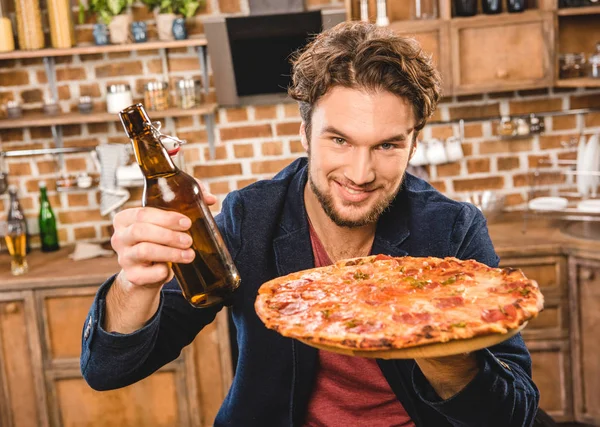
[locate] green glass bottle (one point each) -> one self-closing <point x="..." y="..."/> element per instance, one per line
<point x="47" y="221"/>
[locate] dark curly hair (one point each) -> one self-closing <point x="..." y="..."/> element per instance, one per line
<point x="364" y="56"/>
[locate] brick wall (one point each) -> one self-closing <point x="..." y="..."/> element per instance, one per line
<point x="257" y="141"/>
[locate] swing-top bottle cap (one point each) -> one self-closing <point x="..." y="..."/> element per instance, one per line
<point x="134" y="119"/>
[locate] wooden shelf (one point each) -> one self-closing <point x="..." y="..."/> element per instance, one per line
<point x="93" y="49"/>
<point x="578" y="82"/>
<point x="572" y="11"/>
<point x="39" y="119"/>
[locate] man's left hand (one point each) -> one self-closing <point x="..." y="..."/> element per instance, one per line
<point x="449" y="375"/>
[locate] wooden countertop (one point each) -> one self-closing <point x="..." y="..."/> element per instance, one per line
<point x="511" y="239"/>
<point x="53" y="269"/>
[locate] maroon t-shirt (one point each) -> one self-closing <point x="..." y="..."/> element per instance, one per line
<point x="350" y="390"/>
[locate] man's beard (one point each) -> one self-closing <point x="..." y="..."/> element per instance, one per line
<point x="326" y="201"/>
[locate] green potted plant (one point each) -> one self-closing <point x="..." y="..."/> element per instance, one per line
<point x="113" y="13"/>
<point x="168" y="10"/>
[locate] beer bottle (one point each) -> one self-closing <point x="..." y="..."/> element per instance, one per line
<point x="15" y="212"/>
<point x="47" y="222"/>
<point x="212" y="277"/>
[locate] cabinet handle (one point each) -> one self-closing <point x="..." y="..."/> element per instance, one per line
<point x="502" y="74"/>
<point x="586" y="274"/>
<point x="11" y="308"/>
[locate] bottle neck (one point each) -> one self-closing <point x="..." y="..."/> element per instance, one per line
<point x="43" y="195"/>
<point x="152" y="157"/>
<point x="14" y="208"/>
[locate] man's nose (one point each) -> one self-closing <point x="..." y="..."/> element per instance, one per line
<point x="360" y="170"/>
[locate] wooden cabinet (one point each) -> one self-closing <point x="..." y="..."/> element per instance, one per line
<point x="546" y="336"/>
<point x="489" y="52"/>
<point x="22" y="399"/>
<point x="41" y="383"/>
<point x="434" y="37"/>
<point x="585" y="338"/>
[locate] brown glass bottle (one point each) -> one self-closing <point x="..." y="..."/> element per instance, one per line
<point x="212" y="277"/>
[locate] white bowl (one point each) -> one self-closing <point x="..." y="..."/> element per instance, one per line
<point x="548" y="204"/>
<point x="591" y="206"/>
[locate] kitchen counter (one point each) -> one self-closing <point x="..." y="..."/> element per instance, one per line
<point x="511" y="238"/>
<point x="52" y="269"/>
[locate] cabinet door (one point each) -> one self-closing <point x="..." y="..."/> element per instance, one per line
<point x="552" y="375"/>
<point x="21" y="379"/>
<point x="503" y="52"/>
<point x="434" y="37"/>
<point x="585" y="338"/>
<point x="550" y="272"/>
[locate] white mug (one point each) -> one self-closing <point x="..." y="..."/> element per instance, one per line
<point x="454" y="151"/>
<point x="419" y="158"/>
<point x="436" y="154"/>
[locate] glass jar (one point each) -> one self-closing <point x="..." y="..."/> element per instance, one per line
<point x="156" y="95"/>
<point x="572" y="65"/>
<point x="60" y="18"/>
<point x="595" y="63"/>
<point x="29" y="24"/>
<point x="7" y="41"/>
<point x="189" y="93"/>
<point x="424" y="9"/>
<point x="118" y="97"/>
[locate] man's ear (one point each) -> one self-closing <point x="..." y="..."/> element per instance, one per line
<point x="303" y="137"/>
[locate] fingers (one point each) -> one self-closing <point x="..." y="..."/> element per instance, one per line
<point x="146" y="253"/>
<point x="147" y="232"/>
<point x="167" y="219"/>
<point x="148" y="275"/>
<point x="208" y="197"/>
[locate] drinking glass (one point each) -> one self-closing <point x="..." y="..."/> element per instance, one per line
<point x="16" y="241"/>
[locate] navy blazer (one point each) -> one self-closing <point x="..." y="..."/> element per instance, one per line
<point x="265" y="227"/>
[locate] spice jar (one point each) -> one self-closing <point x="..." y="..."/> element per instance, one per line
<point x="572" y="65"/>
<point x="156" y="95"/>
<point x="507" y="127"/>
<point x="118" y="97"/>
<point x="7" y="42"/>
<point x="189" y="93"/>
<point x="29" y="24"/>
<point x="595" y="63"/>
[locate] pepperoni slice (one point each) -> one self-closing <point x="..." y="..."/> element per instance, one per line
<point x="412" y="318"/>
<point x="493" y="315"/>
<point x="449" y="302"/>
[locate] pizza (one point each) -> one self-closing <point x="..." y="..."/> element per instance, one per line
<point x="380" y="302"/>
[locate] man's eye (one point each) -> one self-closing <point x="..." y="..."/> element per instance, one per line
<point x="387" y="146"/>
<point x="339" y="141"/>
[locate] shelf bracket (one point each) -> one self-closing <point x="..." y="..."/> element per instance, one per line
<point x="165" y="63"/>
<point x="57" y="135"/>
<point x="208" y="118"/>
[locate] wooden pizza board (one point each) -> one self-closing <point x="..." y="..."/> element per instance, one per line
<point x="449" y="348"/>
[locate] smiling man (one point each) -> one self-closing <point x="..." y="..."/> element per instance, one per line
<point x="364" y="94"/>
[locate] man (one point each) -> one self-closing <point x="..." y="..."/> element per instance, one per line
<point x="364" y="95"/>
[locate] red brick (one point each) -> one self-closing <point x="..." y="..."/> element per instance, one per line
<point x="77" y="199"/>
<point x="291" y="110"/>
<point x="237" y="114"/>
<point x="220" y="153"/>
<point x="474" y="130"/>
<point x="76" y="165"/>
<point x="14" y="78"/>
<point x="140" y="12"/>
<point x="193" y="136"/>
<point x="84" y="35"/>
<point x="97" y="128"/>
<point x="480" y="165"/>
<point x="84" y="233"/>
<point x="296" y="146"/>
<point x="535" y="106"/>
<point x="5" y="97"/>
<point x="479" y="184"/>
<point x="544" y="178"/>
<point x="92" y="89"/>
<point x="474" y="111"/>
<point x="273" y="148"/>
<point x="119" y="68"/>
<point x="19" y="168"/>
<point x="448" y="169"/>
<point x="220" y="187"/>
<point x="75" y="73"/>
<point x="540" y="161"/>
<point x="245" y="182"/>
<point x="564" y="122"/>
<point x="263" y="112"/>
<point x="269" y="166"/>
<point x="184" y="122"/>
<point x="555" y="141"/>
<point x="12" y="135"/>
<point x="229" y="6"/>
<point x="467" y="98"/>
<point x="243" y="150"/>
<point x="439" y="185"/>
<point x="514" y="199"/>
<point x="74" y="217"/>
<point x="592" y="120"/>
<point x="288" y="128"/>
<point x="467" y="148"/>
<point x="184" y="64"/>
<point x="245" y="132"/>
<point x="32" y="95"/>
<point x="508" y="163"/>
<point x="585" y="101"/>
<point x="505" y="146"/>
<point x="212" y="171"/>
<point x="84" y="142"/>
<point x="64" y="92"/>
<point x="191" y="154"/>
<point x="442" y="132"/>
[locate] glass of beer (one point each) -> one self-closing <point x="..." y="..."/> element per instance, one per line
<point x="15" y="238"/>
